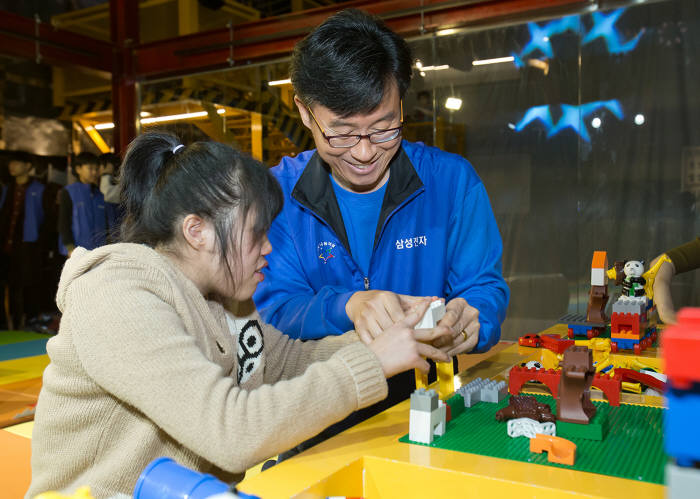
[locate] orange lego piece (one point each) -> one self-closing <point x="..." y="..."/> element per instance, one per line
<point x="559" y="450"/>
<point x="600" y="260"/>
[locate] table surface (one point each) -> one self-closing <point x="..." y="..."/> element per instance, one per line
<point x="369" y="461"/>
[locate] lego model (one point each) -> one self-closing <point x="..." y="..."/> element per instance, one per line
<point x="681" y="347"/>
<point x="526" y="427"/>
<point x="559" y="450"/>
<point x="428" y="416"/>
<point x="598" y="295"/>
<point x="610" y="385"/>
<point x="631" y="327"/>
<point x="445" y="370"/>
<point x="480" y="390"/>
<point x="574" y="402"/>
<point x="523" y="406"/>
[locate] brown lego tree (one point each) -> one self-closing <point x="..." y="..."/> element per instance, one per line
<point x="574" y="405"/>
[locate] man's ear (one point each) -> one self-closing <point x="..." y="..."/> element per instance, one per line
<point x="303" y="112"/>
<point x="197" y="232"/>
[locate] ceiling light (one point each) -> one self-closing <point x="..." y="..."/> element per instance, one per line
<point x="160" y="119"/>
<point x="493" y="61"/>
<point x="435" y="68"/>
<point x="445" y="32"/>
<point x="176" y="117"/>
<point x="453" y="103"/>
<point x="596" y="122"/>
<point x="419" y="64"/>
<point x="287" y="81"/>
<point x="639" y="119"/>
<point x="422" y="73"/>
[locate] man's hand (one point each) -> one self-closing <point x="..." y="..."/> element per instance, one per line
<point x="400" y="347"/>
<point x="461" y="322"/>
<point x="375" y="311"/>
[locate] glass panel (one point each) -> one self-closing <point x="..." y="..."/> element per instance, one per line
<point x="586" y="139"/>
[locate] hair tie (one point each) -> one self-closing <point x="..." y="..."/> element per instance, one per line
<point x="177" y="148"/>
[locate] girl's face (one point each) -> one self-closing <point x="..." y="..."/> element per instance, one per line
<point x="247" y="266"/>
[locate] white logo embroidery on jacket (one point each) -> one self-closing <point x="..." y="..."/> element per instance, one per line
<point x="411" y="242"/>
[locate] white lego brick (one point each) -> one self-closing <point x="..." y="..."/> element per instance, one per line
<point x="419" y="427"/>
<point x="432" y="316"/>
<point x="598" y="277"/>
<point x="440" y="417"/>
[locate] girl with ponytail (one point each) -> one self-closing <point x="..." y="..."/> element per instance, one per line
<point x="149" y="363"/>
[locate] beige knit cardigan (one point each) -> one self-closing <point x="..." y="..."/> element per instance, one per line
<point x="144" y="366"/>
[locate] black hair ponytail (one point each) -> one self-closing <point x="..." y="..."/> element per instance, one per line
<point x="162" y="182"/>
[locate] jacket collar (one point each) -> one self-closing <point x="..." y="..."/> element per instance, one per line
<point x="314" y="191"/>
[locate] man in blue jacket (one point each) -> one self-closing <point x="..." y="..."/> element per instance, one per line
<point x="21" y="234"/>
<point x="371" y="222"/>
<point x="84" y="219"/>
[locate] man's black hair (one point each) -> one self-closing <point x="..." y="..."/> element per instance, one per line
<point x="84" y="158"/>
<point x="347" y="62"/>
<point x="107" y="158"/>
<point x="21" y="156"/>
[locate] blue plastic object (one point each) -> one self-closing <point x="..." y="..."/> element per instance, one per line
<point x="163" y="478"/>
<point x="682" y="435"/>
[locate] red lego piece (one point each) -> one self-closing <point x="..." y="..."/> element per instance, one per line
<point x="610" y="385"/>
<point x="518" y="376"/>
<point x="626" y="322"/>
<point x="555" y="343"/>
<point x="646" y="379"/>
<point x="529" y="340"/>
<point x="681" y="346"/>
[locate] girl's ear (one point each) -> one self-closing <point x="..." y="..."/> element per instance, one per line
<point x="198" y="233"/>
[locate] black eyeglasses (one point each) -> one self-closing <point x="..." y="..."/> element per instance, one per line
<point x="350" y="140"/>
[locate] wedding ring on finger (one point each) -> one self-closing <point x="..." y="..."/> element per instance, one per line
<point x="464" y="334"/>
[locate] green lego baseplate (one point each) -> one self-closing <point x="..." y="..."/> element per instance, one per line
<point x="633" y="447"/>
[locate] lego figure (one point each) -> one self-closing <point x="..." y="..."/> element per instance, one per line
<point x="633" y="285"/>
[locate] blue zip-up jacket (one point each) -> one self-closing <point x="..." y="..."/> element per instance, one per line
<point x="436" y="236"/>
<point x="33" y="210"/>
<point x="90" y="221"/>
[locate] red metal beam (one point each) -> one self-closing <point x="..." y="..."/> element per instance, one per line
<point x="124" y="29"/>
<point x="24" y="37"/>
<point x="275" y="37"/>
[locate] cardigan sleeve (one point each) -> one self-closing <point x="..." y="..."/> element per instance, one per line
<point x="686" y="256"/>
<point x="287" y="358"/>
<point x="131" y="341"/>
